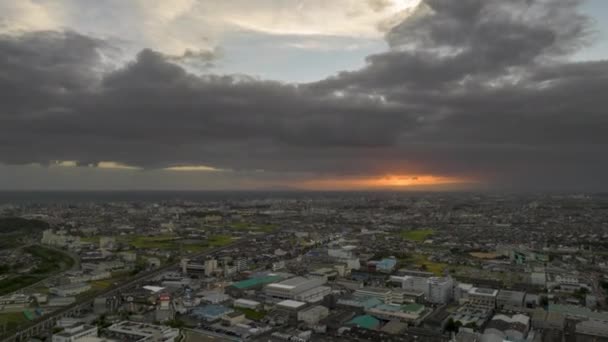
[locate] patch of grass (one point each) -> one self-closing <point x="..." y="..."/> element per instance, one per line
<point x="99" y="285"/>
<point x="194" y="248"/>
<point x="220" y="240"/>
<point x="12" y="320"/>
<point x="50" y="262"/>
<point x="166" y="242"/>
<point x="13" y="284"/>
<point x="265" y="228"/>
<point x="418" y="235"/>
<point x="90" y="239"/>
<point x="170" y="242"/>
<point x="240" y="225"/>
<point x="103" y="284"/>
<point x="425" y="264"/>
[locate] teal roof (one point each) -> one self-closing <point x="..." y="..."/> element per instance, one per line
<point x="365" y="322"/>
<point x="253" y="282"/>
<point x="370" y="302"/>
<point x="412" y="307"/>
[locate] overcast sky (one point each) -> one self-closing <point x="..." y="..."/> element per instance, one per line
<point x="308" y="94"/>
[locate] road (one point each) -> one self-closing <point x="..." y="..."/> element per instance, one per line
<point x="128" y="284"/>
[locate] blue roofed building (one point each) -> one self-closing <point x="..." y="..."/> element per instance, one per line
<point x="211" y="312"/>
<point x="386" y="265"/>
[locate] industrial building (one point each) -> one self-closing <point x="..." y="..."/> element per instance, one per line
<point x="407" y="313"/>
<point x="313" y="315"/>
<point x="293" y="287"/>
<point x="75" y="333"/>
<point x="510" y="300"/>
<point x="140" y="332"/>
<point x="69" y="289"/>
<point x="247" y="304"/>
<point x="256" y="283"/>
<point x="507" y="328"/>
<point x="287" y="310"/>
<point x="591" y="331"/>
<point x="314" y="295"/>
<point x="399" y="296"/>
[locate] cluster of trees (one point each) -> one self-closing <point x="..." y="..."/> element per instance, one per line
<point x="455" y="326"/>
<point x="10" y="225"/>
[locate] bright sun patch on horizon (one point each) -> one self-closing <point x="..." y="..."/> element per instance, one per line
<point x="194" y="168"/>
<point x="384" y="182"/>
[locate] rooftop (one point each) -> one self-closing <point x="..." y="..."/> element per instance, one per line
<point x="211" y="311"/>
<point x="412" y="308"/>
<point x="484" y="291"/>
<point x="365" y="322"/>
<point x="578" y="311"/>
<point x="292" y="304"/>
<point x="394" y="327"/>
<point x="253" y="282"/>
<point x="374" y="290"/>
<point x="511" y="295"/>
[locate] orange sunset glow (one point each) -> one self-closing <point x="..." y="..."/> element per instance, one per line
<point x="383" y="182"/>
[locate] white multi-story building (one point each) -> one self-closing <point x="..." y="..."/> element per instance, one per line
<point x="484" y="298"/>
<point x="440" y="290"/>
<point x="413" y="283"/>
<point x="436" y="290"/>
<point x="461" y="292"/>
<point x="210" y="266"/>
<point x="241" y="264"/>
<point x="382" y="294"/>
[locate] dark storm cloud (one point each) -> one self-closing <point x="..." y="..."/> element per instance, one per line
<point x="153" y="113"/>
<point x="478" y="88"/>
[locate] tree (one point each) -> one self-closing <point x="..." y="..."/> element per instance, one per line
<point x="176" y="323"/>
<point x="544" y="301"/>
<point x="471" y="325"/>
<point x="452" y="326"/>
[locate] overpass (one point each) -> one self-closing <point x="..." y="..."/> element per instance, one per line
<point x="47" y="322"/>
